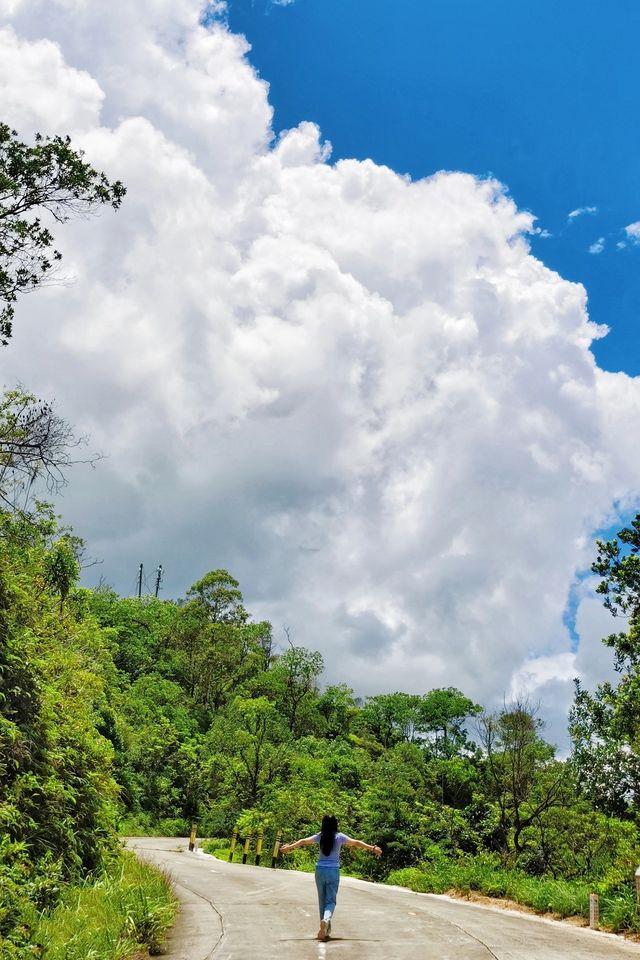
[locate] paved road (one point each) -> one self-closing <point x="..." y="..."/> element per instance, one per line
<point x="234" y="912"/>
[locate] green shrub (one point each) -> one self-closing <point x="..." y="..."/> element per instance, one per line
<point x="137" y="825"/>
<point x="172" y="827"/>
<point x="413" y="878"/>
<point x="26" y="889"/>
<point x="218" y="846"/>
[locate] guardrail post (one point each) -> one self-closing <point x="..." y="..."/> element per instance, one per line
<point x="247" y="846"/>
<point x="638" y="886"/>
<point x="232" y="845"/>
<point x="192" y="836"/>
<point x="276" y="849"/>
<point x="594" y="910"/>
<point x="259" y="847"/>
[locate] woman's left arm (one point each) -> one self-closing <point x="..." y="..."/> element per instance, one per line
<point x="372" y="848"/>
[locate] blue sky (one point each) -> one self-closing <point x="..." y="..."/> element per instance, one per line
<point x="542" y="96"/>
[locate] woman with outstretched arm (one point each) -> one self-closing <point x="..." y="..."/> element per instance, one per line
<point x="328" y="866"/>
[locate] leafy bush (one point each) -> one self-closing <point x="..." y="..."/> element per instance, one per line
<point x="618" y="908"/>
<point x="172" y="827"/>
<point x="217" y="846"/>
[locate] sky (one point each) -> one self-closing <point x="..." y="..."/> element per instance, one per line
<point x="542" y="96"/>
<point x="347" y="336"/>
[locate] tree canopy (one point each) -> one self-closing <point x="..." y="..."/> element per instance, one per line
<point x="605" y="724"/>
<point x="41" y="185"/>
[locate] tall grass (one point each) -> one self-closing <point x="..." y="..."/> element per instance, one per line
<point x="562" y="898"/>
<point x="128" y="909"/>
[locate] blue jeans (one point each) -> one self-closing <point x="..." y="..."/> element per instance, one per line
<point x="327" y="881"/>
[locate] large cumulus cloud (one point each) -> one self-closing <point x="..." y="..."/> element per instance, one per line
<point x="361" y="394"/>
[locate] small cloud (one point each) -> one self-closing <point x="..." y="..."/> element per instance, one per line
<point x="598" y="246"/>
<point x="620" y="245"/>
<point x="633" y="231"/>
<point x="539" y="232"/>
<point x="580" y="211"/>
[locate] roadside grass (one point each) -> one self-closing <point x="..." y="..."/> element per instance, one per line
<point x="618" y="908"/>
<point x="127" y="910"/>
<point x="219" y="847"/>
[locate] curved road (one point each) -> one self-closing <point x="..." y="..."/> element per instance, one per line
<point x="235" y="912"/>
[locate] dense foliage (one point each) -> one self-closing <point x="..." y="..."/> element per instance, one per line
<point x="605" y="725"/>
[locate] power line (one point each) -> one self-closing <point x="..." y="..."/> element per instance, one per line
<point x="141" y="579"/>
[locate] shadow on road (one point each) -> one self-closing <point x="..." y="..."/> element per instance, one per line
<point x="330" y="940"/>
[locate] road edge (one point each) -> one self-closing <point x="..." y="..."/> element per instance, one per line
<point x="198" y="928"/>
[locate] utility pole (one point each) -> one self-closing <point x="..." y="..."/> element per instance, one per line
<point x="158" y="578"/>
<point x="140" y="582"/>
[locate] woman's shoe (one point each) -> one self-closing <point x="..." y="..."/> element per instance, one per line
<point x="323" y="932"/>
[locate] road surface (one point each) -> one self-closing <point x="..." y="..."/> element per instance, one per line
<point x="235" y="912"/>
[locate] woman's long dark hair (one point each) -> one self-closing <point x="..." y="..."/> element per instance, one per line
<point x="328" y="832"/>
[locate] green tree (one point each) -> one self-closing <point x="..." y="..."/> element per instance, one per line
<point x="437" y="718"/>
<point x="390" y="801"/>
<point x="249" y="741"/>
<point x="574" y="842"/>
<point x="391" y="717"/>
<point x="216" y="657"/>
<point x="293" y="684"/>
<point x="219" y="647"/>
<point x="338" y="708"/>
<point x="605" y="725"/>
<point x="35" y="445"/>
<point x="58" y="794"/>
<point x="219" y="595"/>
<point x="520" y="773"/>
<point x="140" y="628"/>
<point x="442" y="717"/>
<point x="48" y="178"/>
<point x="62" y="566"/>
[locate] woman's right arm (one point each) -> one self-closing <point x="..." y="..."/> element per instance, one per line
<point x="305" y="842"/>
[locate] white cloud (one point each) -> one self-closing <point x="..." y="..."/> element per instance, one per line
<point x="548" y="680"/>
<point x="39" y="91"/>
<point x="633" y="231"/>
<point x="362" y="395"/>
<point x="581" y="211"/>
<point x="597" y="246"/>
